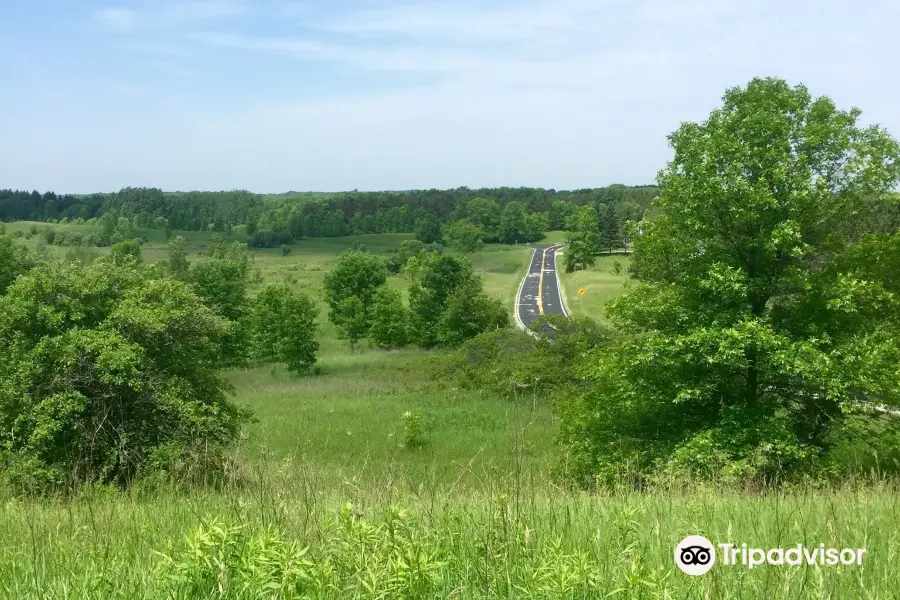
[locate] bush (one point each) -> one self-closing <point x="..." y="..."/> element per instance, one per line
<point x="285" y="250"/>
<point x="390" y="319"/>
<point x="413" y="431"/>
<point x="125" y="251"/>
<point x="408" y="249"/>
<point x="83" y="254"/>
<point x="270" y="239"/>
<point x="15" y="260"/>
<point x="106" y="367"/>
<point x="507" y="362"/>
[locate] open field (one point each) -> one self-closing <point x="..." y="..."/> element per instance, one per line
<point x="475" y="513"/>
<point x="501" y="266"/>
<point x="600" y="283"/>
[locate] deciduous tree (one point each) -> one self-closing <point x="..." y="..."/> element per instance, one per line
<point x="758" y="326"/>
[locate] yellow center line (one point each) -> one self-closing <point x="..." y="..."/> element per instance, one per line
<point x="541" y="283"/>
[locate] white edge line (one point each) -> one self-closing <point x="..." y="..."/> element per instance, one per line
<point x="559" y="287"/>
<point x="519" y="322"/>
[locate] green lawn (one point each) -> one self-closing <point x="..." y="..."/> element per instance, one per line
<point x="600" y="284"/>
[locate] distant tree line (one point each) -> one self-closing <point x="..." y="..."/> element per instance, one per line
<point x="465" y="217"/>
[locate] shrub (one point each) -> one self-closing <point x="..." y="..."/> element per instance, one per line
<point x="104" y="368"/>
<point x="15" y="260"/>
<point x="270" y="239"/>
<point x="390" y="319"/>
<point x="285" y="250"/>
<point x="507" y="361"/>
<point x="413" y="430"/>
<point x="125" y="251"/>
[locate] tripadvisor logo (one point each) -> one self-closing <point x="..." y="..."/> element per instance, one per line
<point x="696" y="555"/>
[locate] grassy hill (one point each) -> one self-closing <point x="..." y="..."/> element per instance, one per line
<point x="475" y="513"/>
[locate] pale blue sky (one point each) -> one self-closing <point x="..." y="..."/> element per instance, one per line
<point x="274" y="96"/>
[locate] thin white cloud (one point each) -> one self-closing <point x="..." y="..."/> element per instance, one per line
<point x="167" y="14"/>
<point x="558" y="93"/>
<point x="116" y="19"/>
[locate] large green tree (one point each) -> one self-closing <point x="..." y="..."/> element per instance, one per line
<point x="582" y="239"/>
<point x="221" y="281"/>
<point x="464" y="236"/>
<point x="356" y="275"/>
<point x="390" y="319"/>
<point x="513" y="228"/>
<point x="485" y="213"/>
<point x="283" y="328"/>
<point x="758" y="325"/>
<point x="428" y="229"/>
<point x="447" y="302"/>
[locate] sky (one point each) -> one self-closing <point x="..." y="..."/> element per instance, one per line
<point x="274" y="96"/>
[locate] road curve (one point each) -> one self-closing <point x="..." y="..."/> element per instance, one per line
<point x="539" y="293"/>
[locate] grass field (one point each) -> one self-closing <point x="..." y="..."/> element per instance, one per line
<point x="475" y="513"/>
<point x="601" y="283"/>
<point x="501" y="267"/>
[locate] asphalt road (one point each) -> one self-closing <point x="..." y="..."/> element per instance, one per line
<point x="539" y="293"/>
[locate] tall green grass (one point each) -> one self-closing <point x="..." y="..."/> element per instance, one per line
<point x="288" y="538"/>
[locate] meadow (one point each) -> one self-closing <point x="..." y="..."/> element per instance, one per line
<point x="327" y="502"/>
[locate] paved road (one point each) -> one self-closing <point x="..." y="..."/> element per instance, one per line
<point x="539" y="293"/>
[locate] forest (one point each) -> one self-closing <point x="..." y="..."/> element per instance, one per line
<point x="272" y="220"/>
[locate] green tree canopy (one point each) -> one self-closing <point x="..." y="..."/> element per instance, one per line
<point x="390" y="319"/>
<point x="14" y="261"/>
<point x="356" y="275"/>
<point x="485" y="213"/>
<point x="428" y="229"/>
<point x="512" y="224"/>
<point x="758" y="326"/>
<point x="464" y="236"/>
<point x="283" y="328"/>
<point x="447" y="302"/>
<point x="582" y="239"/>
<point x="104" y="372"/>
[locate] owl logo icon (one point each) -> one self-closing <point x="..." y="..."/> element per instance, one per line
<point x="695" y="555"/>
